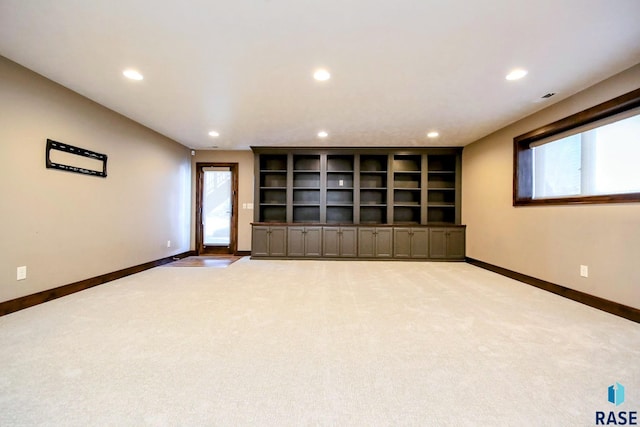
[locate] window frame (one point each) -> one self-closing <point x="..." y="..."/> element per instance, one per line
<point x="523" y="154"/>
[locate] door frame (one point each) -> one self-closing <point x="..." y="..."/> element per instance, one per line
<point x="233" y="244"/>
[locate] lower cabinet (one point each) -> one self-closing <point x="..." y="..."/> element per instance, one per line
<point x="269" y="241"/>
<point x="410" y="242"/>
<point x="375" y="242"/>
<point x="446" y="243"/>
<point x="339" y="242"/>
<point x="305" y="242"/>
<point x="333" y="241"/>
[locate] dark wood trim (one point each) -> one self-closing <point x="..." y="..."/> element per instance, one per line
<point x="522" y="153"/>
<point x="242" y="253"/>
<point x="348" y="224"/>
<point x="13" y="305"/>
<point x="200" y="248"/>
<point x="629" y="313"/>
<point x="356" y="150"/>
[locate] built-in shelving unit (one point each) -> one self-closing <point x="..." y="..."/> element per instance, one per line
<point x="353" y="196"/>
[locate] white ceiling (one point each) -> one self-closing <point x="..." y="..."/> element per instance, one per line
<point x="399" y="67"/>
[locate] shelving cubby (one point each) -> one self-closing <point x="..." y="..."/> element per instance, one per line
<point x="441" y="197"/>
<point x="407" y="189"/>
<point x="373" y="188"/>
<point x="339" y="191"/>
<point x="306" y="188"/>
<point x="273" y="188"/>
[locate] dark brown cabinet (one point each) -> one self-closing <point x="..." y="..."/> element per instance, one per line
<point x="339" y="242"/>
<point x="446" y="243"/>
<point x="410" y="242"/>
<point x="358" y="202"/>
<point x="269" y="241"/>
<point x="375" y="242"/>
<point x="304" y="241"/>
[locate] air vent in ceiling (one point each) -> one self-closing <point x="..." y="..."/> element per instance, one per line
<point x="548" y="95"/>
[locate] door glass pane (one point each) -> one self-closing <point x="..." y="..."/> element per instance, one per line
<point x="216" y="207"/>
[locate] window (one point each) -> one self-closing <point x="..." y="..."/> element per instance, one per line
<point x="590" y="157"/>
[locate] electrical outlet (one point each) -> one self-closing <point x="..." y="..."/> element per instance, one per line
<point x="341" y="182"/>
<point x="168" y="243"/>
<point x="584" y="270"/>
<point x="21" y="273"/>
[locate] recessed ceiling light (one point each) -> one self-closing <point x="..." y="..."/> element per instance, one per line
<point x="132" y="74"/>
<point x="322" y="134"/>
<point x="516" y="74"/>
<point x="433" y="134"/>
<point x="214" y="134"/>
<point x="322" y="75"/>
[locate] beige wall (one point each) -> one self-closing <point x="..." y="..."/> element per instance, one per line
<point x="67" y="227"/>
<point x="551" y="242"/>
<point x="245" y="189"/>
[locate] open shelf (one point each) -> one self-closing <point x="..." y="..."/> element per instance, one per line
<point x="339" y="196"/>
<point x="441" y="197"/>
<point x="373" y="214"/>
<point x="407" y="163"/>
<point x="306" y="213"/>
<point x="273" y="213"/>
<point x="340" y="214"/>
<point x="373" y="163"/>
<point x="339" y="163"/>
<point x="306" y="162"/>
<point x="444" y="215"/>
<point x="306" y="180"/>
<point x="306" y="196"/>
<point x="442" y="163"/>
<point x="273" y="179"/>
<point x="406" y="214"/>
<point x="273" y="162"/>
<point x="273" y="196"/>
<point x="340" y="179"/>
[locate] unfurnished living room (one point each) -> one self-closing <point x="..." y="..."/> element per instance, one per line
<point x="331" y="213"/>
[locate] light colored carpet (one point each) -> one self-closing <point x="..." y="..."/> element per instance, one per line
<point x="314" y="343"/>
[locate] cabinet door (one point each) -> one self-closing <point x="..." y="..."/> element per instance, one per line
<point x="366" y="242"/>
<point x="296" y="241"/>
<point x="455" y="243"/>
<point x="312" y="241"/>
<point x="278" y="241"/>
<point x="402" y="242"/>
<point x="384" y="242"/>
<point x="330" y="241"/>
<point x="438" y="243"/>
<point x="419" y="243"/>
<point x="348" y="242"/>
<point x="260" y="241"/>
